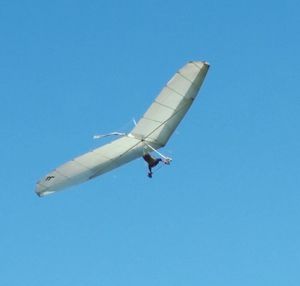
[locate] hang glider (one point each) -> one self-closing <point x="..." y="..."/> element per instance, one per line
<point x="151" y="132"/>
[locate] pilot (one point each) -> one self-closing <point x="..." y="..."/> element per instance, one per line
<point x="152" y="162"/>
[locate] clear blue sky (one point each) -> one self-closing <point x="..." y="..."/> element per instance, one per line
<point x="226" y="212"/>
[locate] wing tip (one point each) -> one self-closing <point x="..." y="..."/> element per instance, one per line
<point x="200" y="63"/>
<point x="41" y="190"/>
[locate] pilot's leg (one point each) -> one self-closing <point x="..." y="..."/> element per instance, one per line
<point x="150" y="171"/>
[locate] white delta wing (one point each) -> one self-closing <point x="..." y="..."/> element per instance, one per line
<point x="151" y="132"/>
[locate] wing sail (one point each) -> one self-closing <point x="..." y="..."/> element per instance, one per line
<point x="90" y="165"/>
<point x="168" y="109"/>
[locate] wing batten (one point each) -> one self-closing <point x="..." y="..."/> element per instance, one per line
<point x="166" y="106"/>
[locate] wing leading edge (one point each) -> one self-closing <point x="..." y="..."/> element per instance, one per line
<point x="155" y="128"/>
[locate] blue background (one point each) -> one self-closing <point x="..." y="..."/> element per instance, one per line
<point x="226" y="212"/>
